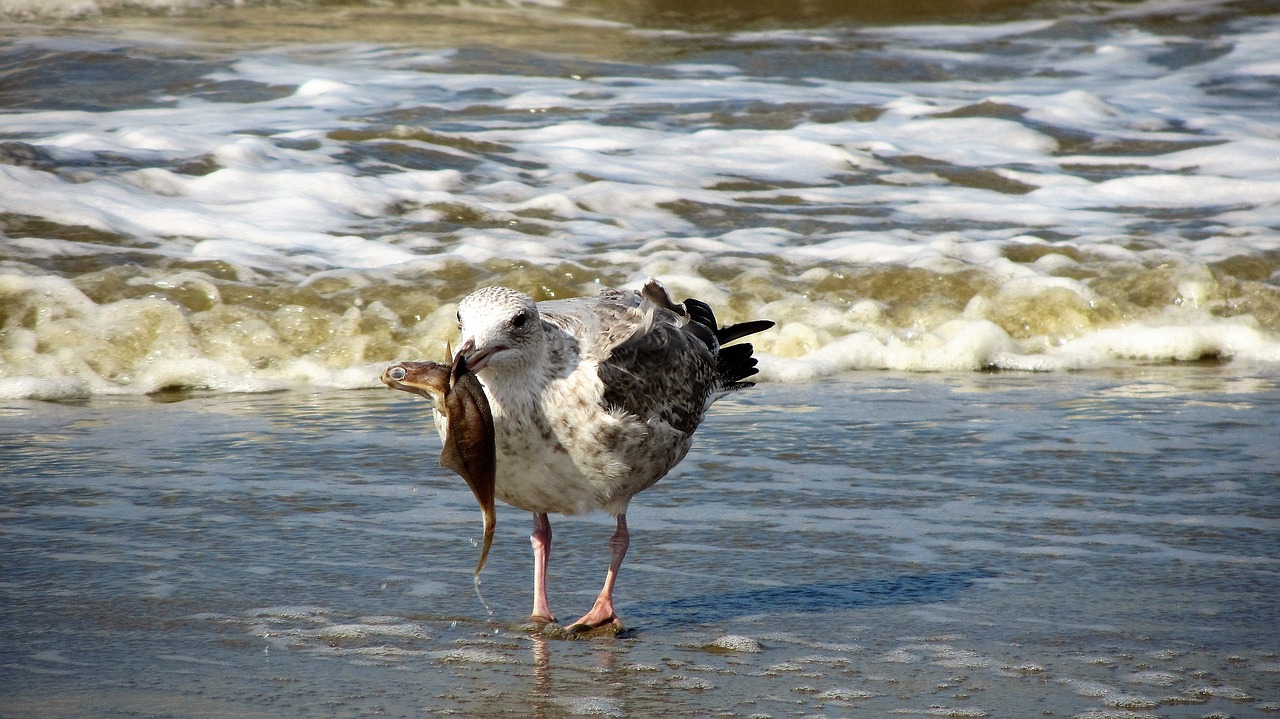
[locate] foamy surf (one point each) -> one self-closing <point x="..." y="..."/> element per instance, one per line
<point x="244" y="219"/>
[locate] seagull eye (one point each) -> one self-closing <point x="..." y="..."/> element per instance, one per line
<point x="519" y="320"/>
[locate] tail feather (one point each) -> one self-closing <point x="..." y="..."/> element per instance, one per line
<point x="735" y="363"/>
<point x="742" y="329"/>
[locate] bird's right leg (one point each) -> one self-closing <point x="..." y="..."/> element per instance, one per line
<point x="541" y="540"/>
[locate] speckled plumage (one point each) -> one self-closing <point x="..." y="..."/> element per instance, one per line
<point x="601" y="401"/>
<point x="594" y="399"/>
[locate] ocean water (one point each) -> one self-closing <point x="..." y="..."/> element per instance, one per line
<point x="1013" y="453"/>
<point x="258" y="198"/>
<point x="1102" y="544"/>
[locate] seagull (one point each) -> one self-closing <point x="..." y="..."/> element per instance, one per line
<point x="593" y="400"/>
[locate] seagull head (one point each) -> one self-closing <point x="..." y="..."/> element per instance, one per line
<point x="500" y="328"/>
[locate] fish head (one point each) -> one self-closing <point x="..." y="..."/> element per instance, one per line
<point x="428" y="379"/>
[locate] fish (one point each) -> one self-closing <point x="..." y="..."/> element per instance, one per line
<point x="459" y="402"/>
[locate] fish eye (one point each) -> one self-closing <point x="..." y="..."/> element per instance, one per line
<point x="519" y="320"/>
<point x="396" y="373"/>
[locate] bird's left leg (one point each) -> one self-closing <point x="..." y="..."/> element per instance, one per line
<point x="602" y="613"/>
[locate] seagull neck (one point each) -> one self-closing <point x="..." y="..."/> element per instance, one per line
<point x="510" y="384"/>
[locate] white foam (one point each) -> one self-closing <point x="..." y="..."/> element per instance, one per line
<point x="1154" y="677"/>
<point x="736" y="643"/>
<point x="365" y="630"/>
<point x="972" y="141"/>
<point x="1126" y="701"/>
<point x="780" y="208"/>
<point x="473" y="655"/>
<point x="592" y="706"/>
<point x="847" y="695"/>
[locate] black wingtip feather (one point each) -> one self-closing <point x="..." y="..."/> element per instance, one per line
<point x="742" y="329"/>
<point x="701" y="313"/>
<point x="735" y="363"/>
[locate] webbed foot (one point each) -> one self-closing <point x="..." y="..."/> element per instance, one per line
<point x="610" y="627"/>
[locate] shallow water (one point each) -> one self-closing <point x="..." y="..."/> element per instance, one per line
<point x="1087" y="544"/>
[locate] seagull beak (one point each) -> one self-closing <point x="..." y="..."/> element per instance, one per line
<point x="476" y="359"/>
<point x="467" y="348"/>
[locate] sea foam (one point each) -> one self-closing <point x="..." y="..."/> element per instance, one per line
<point x="305" y="215"/>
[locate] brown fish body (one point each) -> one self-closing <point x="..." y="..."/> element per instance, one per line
<point x="469" y="447"/>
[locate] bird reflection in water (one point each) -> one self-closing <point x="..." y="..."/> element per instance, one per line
<point x="545" y="698"/>
<point x="541" y="692"/>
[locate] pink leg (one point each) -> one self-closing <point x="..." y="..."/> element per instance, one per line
<point x="602" y="613"/>
<point x="541" y="540"/>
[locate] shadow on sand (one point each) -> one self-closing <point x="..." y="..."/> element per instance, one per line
<point x="806" y="598"/>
